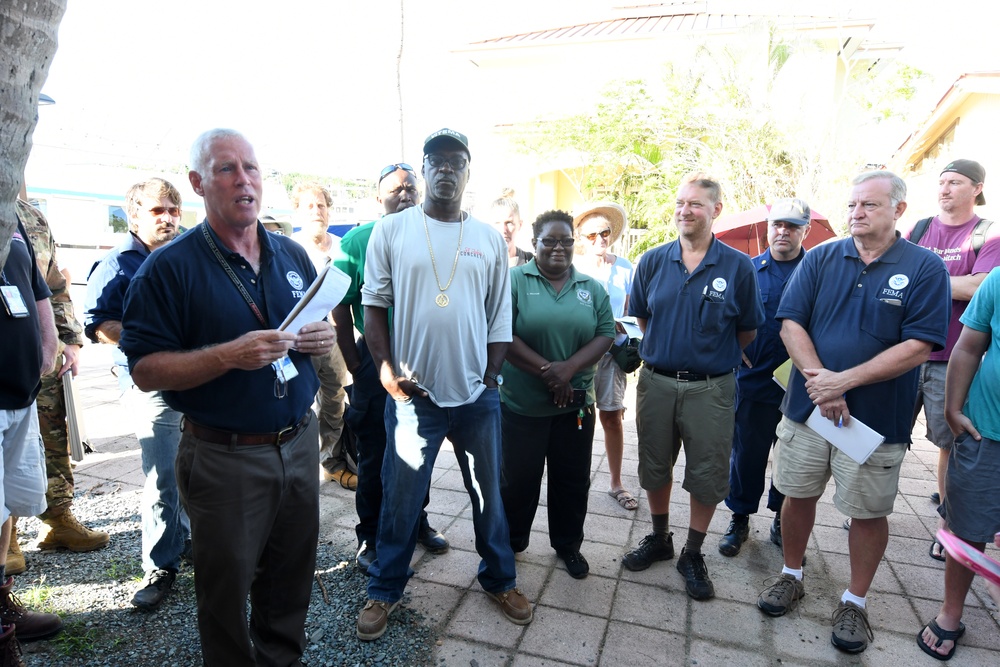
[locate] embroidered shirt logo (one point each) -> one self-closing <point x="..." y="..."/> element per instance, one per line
<point x="899" y="281"/>
<point x="720" y="284"/>
<point x="295" y="280"/>
<point x="584" y="297"/>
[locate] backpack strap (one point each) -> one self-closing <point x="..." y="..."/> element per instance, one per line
<point x="919" y="230"/>
<point x="979" y="235"/>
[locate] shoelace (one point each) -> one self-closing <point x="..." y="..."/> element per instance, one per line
<point x="698" y="568"/>
<point x="850" y="618"/>
<point x="778" y="587"/>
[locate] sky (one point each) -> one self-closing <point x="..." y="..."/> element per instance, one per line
<point x="313" y="84"/>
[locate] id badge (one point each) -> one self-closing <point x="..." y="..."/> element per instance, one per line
<point x="13" y="302"/>
<point x="285" y="369"/>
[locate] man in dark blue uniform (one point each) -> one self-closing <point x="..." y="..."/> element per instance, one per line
<point x="199" y="326"/>
<point x="757" y="394"/>
<point x="697" y="303"/>
<point x="858" y="317"/>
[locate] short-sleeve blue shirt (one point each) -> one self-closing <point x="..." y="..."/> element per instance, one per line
<point x="766" y="352"/>
<point x="692" y="319"/>
<point x="983" y="314"/>
<point x="853" y="312"/>
<point x="106" y="286"/>
<point x="181" y="299"/>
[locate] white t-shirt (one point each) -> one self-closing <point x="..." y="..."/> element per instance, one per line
<point x="442" y="348"/>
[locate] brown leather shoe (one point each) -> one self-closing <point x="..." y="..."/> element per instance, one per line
<point x="10" y="648"/>
<point x="373" y="619"/>
<point x="15" y="558"/>
<point x="65" y="532"/>
<point x="514" y="605"/>
<point x="30" y="625"/>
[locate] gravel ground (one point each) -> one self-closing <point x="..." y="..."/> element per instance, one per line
<point x="92" y="594"/>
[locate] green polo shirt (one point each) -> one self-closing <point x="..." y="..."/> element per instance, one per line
<point x="555" y="326"/>
<point x="351" y="260"/>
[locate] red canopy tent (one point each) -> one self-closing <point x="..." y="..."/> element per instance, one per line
<point x="747" y="231"/>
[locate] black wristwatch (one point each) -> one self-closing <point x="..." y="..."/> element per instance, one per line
<point x="496" y="377"/>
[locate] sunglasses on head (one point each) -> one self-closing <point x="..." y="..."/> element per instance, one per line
<point x="393" y="167"/>
<point x="604" y="233"/>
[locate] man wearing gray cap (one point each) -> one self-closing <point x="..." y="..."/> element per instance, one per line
<point x="445" y="276"/>
<point x="757" y="394"/>
<point x="970" y="247"/>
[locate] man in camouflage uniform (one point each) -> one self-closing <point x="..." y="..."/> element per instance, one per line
<point x="60" y="529"/>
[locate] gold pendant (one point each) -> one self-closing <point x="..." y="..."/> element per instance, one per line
<point x="441" y="299"/>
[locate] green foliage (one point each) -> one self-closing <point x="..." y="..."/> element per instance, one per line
<point x="639" y="140"/>
<point x="884" y="95"/>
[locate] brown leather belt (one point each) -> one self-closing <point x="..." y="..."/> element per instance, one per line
<point x="219" y="437"/>
<point x="683" y="376"/>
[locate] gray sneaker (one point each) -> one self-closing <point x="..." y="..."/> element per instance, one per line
<point x="851" y="631"/>
<point x="781" y="595"/>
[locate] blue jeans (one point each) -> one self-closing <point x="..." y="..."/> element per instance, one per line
<point x="415" y="430"/>
<point x="165" y="524"/>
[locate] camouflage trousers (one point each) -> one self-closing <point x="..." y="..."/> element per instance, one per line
<point x="52" y="426"/>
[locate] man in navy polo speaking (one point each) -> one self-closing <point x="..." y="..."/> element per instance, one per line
<point x="199" y="325"/>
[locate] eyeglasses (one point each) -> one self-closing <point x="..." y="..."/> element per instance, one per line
<point x="393" y="167"/>
<point x="174" y="211"/>
<point x="549" y="242"/>
<point x="604" y="233"/>
<point x="456" y="163"/>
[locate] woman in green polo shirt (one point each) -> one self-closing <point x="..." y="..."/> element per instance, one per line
<point x="562" y="326"/>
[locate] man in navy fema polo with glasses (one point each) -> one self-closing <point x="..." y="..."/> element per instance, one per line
<point x="199" y="325"/>
<point x="445" y="276"/>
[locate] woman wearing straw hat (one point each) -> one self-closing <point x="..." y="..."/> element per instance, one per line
<point x="598" y="226"/>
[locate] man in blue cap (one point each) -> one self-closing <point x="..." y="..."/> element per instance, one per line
<point x="757" y="394"/>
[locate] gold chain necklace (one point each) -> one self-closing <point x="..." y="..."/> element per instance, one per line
<point x="442" y="298"/>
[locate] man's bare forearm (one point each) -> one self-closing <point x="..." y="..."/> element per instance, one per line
<point x="109" y="332"/>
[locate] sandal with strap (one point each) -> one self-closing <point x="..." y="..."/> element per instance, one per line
<point x="936" y="551"/>
<point x="942" y="636"/>
<point x="625" y="499"/>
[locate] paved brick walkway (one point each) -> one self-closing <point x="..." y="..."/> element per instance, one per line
<point x="616" y="617"/>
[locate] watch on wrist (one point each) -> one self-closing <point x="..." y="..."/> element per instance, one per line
<point x="496" y="377"/>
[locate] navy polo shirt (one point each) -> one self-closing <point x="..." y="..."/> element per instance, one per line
<point x="692" y="319"/>
<point x="854" y="312"/>
<point x="21" y="350"/>
<point x="766" y="352"/>
<point x="106" y="287"/>
<point x="181" y="299"/>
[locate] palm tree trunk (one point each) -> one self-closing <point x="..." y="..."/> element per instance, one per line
<point x="29" y="42"/>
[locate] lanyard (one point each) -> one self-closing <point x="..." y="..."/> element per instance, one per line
<point x="232" y="276"/>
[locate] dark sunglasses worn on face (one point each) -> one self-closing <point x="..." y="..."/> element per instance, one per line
<point x="457" y="163"/>
<point x="549" y="242"/>
<point x="157" y="211"/>
<point x="393" y="167"/>
<point x="604" y="233"/>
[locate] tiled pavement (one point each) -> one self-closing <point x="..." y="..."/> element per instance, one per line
<point x="616" y="617"/>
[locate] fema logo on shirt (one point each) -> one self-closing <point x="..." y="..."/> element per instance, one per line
<point x="295" y="280"/>
<point x="720" y="284"/>
<point x="584" y="297"/>
<point x="895" y="289"/>
<point x="899" y="281"/>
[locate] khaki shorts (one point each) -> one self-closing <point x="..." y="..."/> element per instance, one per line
<point x="609" y="385"/>
<point x="698" y="414"/>
<point x="804" y="463"/>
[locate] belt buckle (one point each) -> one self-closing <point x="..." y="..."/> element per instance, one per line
<point x="682" y="376"/>
<point x="282" y="432"/>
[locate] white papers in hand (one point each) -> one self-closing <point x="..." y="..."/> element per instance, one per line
<point x="632" y="329"/>
<point x="326" y="292"/>
<point x="854" y="438"/>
